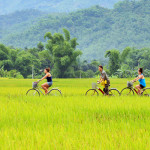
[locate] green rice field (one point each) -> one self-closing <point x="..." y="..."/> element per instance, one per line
<point x="73" y="121"/>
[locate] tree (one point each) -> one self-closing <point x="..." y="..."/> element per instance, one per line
<point x="114" y="60"/>
<point x="45" y="58"/>
<point x="40" y="46"/>
<point x="64" y="53"/>
<point x="4" y="49"/>
<point x="3" y="55"/>
<point x="124" y="54"/>
<point x="67" y="35"/>
<point x="24" y="63"/>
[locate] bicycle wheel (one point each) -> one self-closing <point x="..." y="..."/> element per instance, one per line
<point x="127" y="92"/>
<point x="33" y="92"/>
<point x="54" y="92"/>
<point x="114" y="92"/>
<point x="92" y="92"/>
<point x="146" y="92"/>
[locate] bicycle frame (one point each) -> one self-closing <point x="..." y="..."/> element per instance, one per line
<point x="134" y="90"/>
<point x="101" y="90"/>
<point x="96" y="90"/>
<point x="39" y="88"/>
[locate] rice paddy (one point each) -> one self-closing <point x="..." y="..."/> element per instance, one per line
<point x="72" y="121"/>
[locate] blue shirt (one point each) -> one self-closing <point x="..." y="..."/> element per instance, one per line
<point x="142" y="82"/>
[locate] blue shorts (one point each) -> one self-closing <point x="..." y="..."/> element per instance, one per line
<point x="50" y="83"/>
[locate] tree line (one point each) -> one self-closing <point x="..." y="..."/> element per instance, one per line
<point x="126" y="63"/>
<point x="60" y="53"/>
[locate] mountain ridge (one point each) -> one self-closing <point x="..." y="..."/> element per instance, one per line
<point x="98" y="29"/>
<point x="7" y="6"/>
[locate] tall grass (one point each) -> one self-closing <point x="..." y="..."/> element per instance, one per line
<point x="72" y="121"/>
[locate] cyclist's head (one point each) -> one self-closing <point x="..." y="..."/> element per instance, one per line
<point x="100" y="68"/>
<point x="47" y="70"/>
<point x="140" y="71"/>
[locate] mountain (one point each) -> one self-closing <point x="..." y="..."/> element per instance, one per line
<point x="20" y="19"/>
<point x="98" y="29"/>
<point x="9" y="6"/>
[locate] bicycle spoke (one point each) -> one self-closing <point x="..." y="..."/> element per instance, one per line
<point x="127" y="92"/>
<point x="92" y="92"/>
<point x="54" y="92"/>
<point x="33" y="92"/>
<point x="114" y="92"/>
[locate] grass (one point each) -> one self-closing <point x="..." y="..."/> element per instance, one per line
<point x="72" y="121"/>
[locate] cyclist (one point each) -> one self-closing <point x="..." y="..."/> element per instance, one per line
<point x="49" y="82"/>
<point x="104" y="78"/>
<point x="141" y="79"/>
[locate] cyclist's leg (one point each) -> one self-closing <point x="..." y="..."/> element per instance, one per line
<point x="45" y="86"/>
<point x="139" y="88"/>
<point x="106" y="89"/>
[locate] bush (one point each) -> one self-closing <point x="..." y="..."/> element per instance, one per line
<point x="80" y="73"/>
<point x="15" y="74"/>
<point x="19" y="76"/>
<point x="147" y="73"/>
<point x="125" y="73"/>
<point x="89" y="74"/>
<point x="29" y="76"/>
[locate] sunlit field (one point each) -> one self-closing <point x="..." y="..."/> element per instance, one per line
<point x="73" y="121"/>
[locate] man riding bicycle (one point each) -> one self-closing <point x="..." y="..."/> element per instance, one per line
<point x="104" y="78"/>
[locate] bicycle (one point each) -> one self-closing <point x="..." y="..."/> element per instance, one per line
<point x="130" y="90"/>
<point x="36" y="91"/>
<point x="96" y="91"/>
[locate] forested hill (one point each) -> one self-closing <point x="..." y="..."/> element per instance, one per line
<point x="9" y="6"/>
<point x="19" y="21"/>
<point x="97" y="29"/>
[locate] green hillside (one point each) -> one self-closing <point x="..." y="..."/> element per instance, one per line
<point x="51" y="5"/>
<point x="19" y="21"/>
<point x="97" y="29"/>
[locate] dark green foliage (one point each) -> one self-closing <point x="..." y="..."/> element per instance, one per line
<point x="23" y="63"/>
<point x="3" y="55"/>
<point x="60" y="54"/>
<point x="63" y="53"/>
<point x="114" y="60"/>
<point x="131" y="60"/>
<point x="40" y="46"/>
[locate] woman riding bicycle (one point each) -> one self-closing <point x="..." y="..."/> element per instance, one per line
<point x="49" y="82"/>
<point x="141" y="79"/>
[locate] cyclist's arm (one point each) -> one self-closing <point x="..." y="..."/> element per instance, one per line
<point x="101" y="79"/>
<point x="136" y="79"/>
<point x="103" y="76"/>
<point x="140" y="76"/>
<point x="44" y="77"/>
